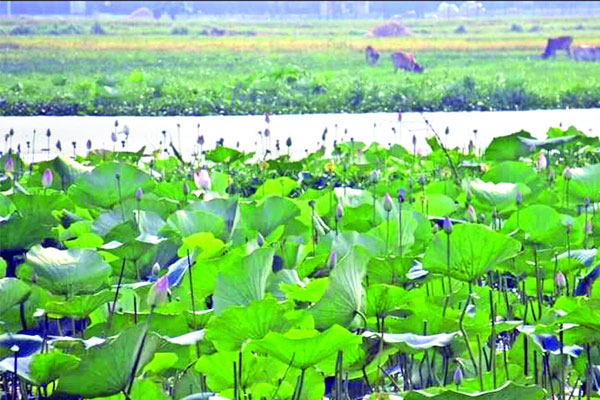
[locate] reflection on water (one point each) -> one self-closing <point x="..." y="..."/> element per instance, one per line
<point x="306" y="131"/>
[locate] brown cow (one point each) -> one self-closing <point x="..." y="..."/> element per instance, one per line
<point x="559" y="43"/>
<point x="372" y="56"/>
<point x="405" y="61"/>
<point x="586" y="53"/>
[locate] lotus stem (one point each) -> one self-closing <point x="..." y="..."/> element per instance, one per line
<point x="193" y="300"/>
<point x="400" y="229"/>
<point x="139" y="353"/>
<point x="299" y="384"/>
<point x="493" y="349"/>
<point x="589" y="374"/>
<point x="387" y="232"/>
<point x="562" y="363"/>
<point x="464" y="333"/>
<point x="480" y="364"/>
<point x="448" y="264"/>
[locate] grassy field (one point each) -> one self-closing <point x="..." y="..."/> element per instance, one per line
<point x="57" y="67"/>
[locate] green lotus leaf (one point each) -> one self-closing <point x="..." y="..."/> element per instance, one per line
<point x="269" y="214"/>
<point x="99" y="188"/>
<point x="228" y="209"/>
<point x="508" y="391"/>
<point x="65" y="172"/>
<point x="229" y="330"/>
<point x="474" y="250"/>
<point x="585" y="183"/>
<point x="511" y="172"/>
<point x="310" y="293"/>
<point x="303" y="349"/>
<point x="105" y="369"/>
<point x="239" y="284"/>
<point x="69" y="272"/>
<point x="540" y="223"/>
<point x="345" y="296"/>
<point x="506" y="148"/>
<point x="501" y="195"/>
<point x="12" y="292"/>
<point x="47" y="367"/>
<point x="282" y="186"/>
<point x="79" y="306"/>
<point x="186" y="223"/>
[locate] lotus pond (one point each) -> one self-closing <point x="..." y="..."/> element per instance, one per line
<point x="365" y="271"/>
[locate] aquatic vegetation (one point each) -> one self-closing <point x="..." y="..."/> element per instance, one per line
<point x="239" y="275"/>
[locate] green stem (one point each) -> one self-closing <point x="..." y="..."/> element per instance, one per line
<point x="387" y="233"/>
<point x="448" y="264"/>
<point x="400" y="229"/>
<point x="464" y="333"/>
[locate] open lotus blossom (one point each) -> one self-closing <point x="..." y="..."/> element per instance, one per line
<point x="202" y="179"/>
<point x="47" y="178"/>
<point x="542" y="162"/>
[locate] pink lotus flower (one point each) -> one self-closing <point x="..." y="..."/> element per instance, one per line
<point x="542" y="162"/>
<point x="202" y="179"/>
<point x="47" y="178"/>
<point x="387" y="203"/>
<point x="159" y="292"/>
<point x="9" y="164"/>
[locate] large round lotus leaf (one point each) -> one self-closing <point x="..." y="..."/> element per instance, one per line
<point x="79" y="306"/>
<point x="239" y="284"/>
<point x="47" y="367"/>
<point x="218" y="369"/>
<point x="276" y="187"/>
<point x="474" y="250"/>
<point x="228" y="209"/>
<point x="303" y="348"/>
<point x="345" y="296"/>
<point x="235" y="325"/>
<point x="509" y="147"/>
<point x="585" y="183"/>
<point x="270" y="213"/>
<point x="26" y="344"/>
<point x="12" y="292"/>
<point x="409" y="226"/>
<point x="68" y="272"/>
<point x="311" y="292"/>
<point x="32" y="221"/>
<point x="344" y="241"/>
<point x="501" y="195"/>
<point x="508" y="391"/>
<point x="65" y="172"/>
<point x="417" y="342"/>
<point x="511" y="172"/>
<point x="382" y="298"/>
<point x="105" y="369"/>
<point x="540" y="223"/>
<point x="185" y="223"/>
<point x="99" y="188"/>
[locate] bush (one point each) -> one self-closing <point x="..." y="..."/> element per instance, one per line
<point x="179" y="31"/>
<point x="22" y="30"/>
<point x="516" y="28"/>
<point x="97" y="29"/>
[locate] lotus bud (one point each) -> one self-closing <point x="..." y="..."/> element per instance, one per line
<point x="260" y="240"/>
<point x="399" y="116"/>
<point x="155" y="269"/>
<point x="560" y="281"/>
<point x="331" y="260"/>
<point x="202" y="179"/>
<point x="422" y="180"/>
<point x="48" y="133"/>
<point x="267" y="120"/>
<point x="116" y="123"/>
<point x="200" y="140"/>
<point x="569" y="226"/>
<point x="469" y="195"/>
<point x="447" y="131"/>
<point x="567" y="174"/>
<point x="118" y="176"/>
<point x="518" y="198"/>
<point x="311" y="204"/>
<point x="471" y="213"/>
<point x="551" y="177"/>
<point x="471" y="147"/>
<point x="401" y="195"/>
<point x="586" y="202"/>
<point x="458" y="376"/>
<point x="186" y="189"/>
<point x="58" y="145"/>
<point x="414" y="140"/>
<point x="138" y="194"/>
<point x="339" y="211"/>
<point x="447" y="225"/>
<point x="47" y="178"/>
<point x="494" y="213"/>
<point x="374" y="176"/>
<point x="542" y="162"/>
<point x="113" y="137"/>
<point x="288" y="142"/>
<point x="159" y="292"/>
<point x="267" y="132"/>
<point x="387" y="203"/>
<point x="9" y="164"/>
<point x="89" y="144"/>
<point x="126" y="130"/>
<point x="588" y="227"/>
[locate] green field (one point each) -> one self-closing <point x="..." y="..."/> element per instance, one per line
<point x="58" y="68"/>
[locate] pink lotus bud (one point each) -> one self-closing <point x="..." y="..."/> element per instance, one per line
<point x="339" y="211"/>
<point x="542" y="162"/>
<point x="159" y="292"/>
<point x="202" y="179"/>
<point x="447" y="226"/>
<point x="267" y="120"/>
<point x="113" y="137"/>
<point x="399" y="116"/>
<point x="471" y="213"/>
<point x="47" y="178"/>
<point x="260" y="240"/>
<point x="588" y="227"/>
<point x="387" y="203"/>
<point x="560" y="281"/>
<point x="138" y="194"/>
<point x="9" y="164"/>
<point x="519" y="199"/>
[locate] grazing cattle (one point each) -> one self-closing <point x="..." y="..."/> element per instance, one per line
<point x="559" y="43"/>
<point x="586" y="53"/>
<point x="405" y="61"/>
<point x="372" y="55"/>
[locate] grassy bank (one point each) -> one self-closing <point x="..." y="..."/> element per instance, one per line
<point x="142" y="69"/>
